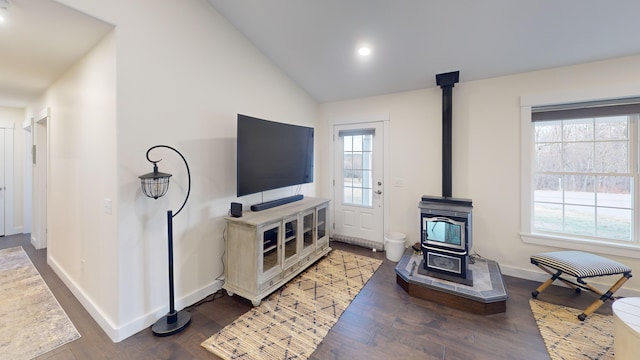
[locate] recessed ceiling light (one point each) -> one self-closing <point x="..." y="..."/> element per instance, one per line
<point x="364" y="51"/>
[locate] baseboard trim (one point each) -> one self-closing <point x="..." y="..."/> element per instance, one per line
<point x="145" y="321"/>
<point x="119" y="333"/>
<point x="36" y="244"/>
<point x="96" y="313"/>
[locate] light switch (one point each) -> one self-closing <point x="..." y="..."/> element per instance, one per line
<point x="106" y="205"/>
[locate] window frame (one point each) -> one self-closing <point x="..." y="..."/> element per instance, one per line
<point x="527" y="235"/>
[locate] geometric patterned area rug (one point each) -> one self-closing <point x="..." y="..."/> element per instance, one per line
<point x="31" y="319"/>
<point x="566" y="337"/>
<point x="291" y="322"/>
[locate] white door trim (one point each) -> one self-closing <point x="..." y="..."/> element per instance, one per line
<point x="40" y="181"/>
<point x="356" y="119"/>
<point x="27" y="177"/>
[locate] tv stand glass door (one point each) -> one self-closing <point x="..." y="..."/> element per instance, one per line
<point x="290" y="242"/>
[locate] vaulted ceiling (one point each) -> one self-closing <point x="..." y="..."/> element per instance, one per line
<point x="316" y="42"/>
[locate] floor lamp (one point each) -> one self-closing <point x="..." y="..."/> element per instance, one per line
<point x="154" y="185"/>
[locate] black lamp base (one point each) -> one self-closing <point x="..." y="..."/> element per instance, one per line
<point x="171" y="323"/>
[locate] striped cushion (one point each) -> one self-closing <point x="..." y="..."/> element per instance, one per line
<point x="580" y="264"/>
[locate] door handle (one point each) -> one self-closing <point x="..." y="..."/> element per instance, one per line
<point x="378" y="192"/>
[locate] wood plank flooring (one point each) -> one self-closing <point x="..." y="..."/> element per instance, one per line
<point x="383" y="322"/>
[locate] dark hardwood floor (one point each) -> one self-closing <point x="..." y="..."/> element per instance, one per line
<point x="383" y="322"/>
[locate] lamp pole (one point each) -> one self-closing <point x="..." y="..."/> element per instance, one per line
<point x="155" y="185"/>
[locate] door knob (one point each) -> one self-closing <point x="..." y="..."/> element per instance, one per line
<point x="378" y="192"/>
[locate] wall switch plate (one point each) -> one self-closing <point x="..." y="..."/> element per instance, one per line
<point x="106" y="206"/>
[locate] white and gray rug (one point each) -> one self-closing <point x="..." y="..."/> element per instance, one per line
<point x="31" y="319"/>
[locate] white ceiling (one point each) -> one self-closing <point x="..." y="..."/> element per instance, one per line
<point x="315" y="42"/>
<point x="39" y="40"/>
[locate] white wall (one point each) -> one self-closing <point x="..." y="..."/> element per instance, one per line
<point x="486" y="152"/>
<point x="182" y="75"/>
<point x="81" y="237"/>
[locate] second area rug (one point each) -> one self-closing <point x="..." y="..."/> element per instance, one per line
<point x="292" y="321"/>
<point x="566" y="337"/>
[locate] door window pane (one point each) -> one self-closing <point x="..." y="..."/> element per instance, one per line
<point x="357" y="174"/>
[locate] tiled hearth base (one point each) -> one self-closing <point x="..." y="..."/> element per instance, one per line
<point x="487" y="296"/>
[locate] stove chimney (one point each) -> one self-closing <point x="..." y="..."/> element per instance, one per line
<point x="446" y="81"/>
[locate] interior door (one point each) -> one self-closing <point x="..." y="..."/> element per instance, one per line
<point x="358" y="183"/>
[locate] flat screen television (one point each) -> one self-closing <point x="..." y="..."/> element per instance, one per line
<point x="272" y="155"/>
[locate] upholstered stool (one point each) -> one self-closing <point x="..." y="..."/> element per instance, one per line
<point x="580" y="265"/>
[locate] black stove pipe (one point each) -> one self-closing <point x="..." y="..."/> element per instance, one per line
<point x="446" y="81"/>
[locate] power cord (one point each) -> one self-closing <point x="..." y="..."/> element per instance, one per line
<point x="475" y="256"/>
<point x="209" y="298"/>
<point x="218" y="294"/>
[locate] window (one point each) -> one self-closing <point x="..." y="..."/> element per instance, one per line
<point x="357" y="172"/>
<point x="581" y="178"/>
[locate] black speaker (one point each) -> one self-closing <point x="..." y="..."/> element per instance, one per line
<point x="236" y="209"/>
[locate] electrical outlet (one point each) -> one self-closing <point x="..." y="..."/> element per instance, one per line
<point x="82" y="262"/>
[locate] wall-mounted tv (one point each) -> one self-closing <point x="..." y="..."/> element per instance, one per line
<point x="272" y="155"/>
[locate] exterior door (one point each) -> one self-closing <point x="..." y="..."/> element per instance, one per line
<point x="358" y="183"/>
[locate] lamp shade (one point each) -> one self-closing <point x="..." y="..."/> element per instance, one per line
<point x="155" y="184"/>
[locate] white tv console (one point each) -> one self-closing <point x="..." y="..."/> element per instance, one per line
<point x="265" y="249"/>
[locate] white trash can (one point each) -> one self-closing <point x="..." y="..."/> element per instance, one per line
<point x="394" y="245"/>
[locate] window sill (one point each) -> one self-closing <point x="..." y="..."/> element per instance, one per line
<point x="616" y="249"/>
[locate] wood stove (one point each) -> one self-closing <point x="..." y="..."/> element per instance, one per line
<point x="445" y="222"/>
<point x="446" y="237"/>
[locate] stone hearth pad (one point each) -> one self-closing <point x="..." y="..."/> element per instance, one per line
<point x="488" y="286"/>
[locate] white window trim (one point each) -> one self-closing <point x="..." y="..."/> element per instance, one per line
<point x="526" y="162"/>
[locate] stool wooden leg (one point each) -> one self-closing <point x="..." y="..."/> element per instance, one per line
<point x="554" y="276"/>
<point x="608" y="295"/>
<point x="544" y="285"/>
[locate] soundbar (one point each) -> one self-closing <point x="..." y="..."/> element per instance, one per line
<point x="274" y="203"/>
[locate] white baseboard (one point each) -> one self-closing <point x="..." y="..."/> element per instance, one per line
<point x="37" y="244"/>
<point x="541" y="276"/>
<point x="96" y="313"/>
<point x="149" y="319"/>
<point x="119" y="333"/>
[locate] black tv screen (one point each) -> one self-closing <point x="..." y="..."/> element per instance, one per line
<point x="272" y="155"/>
